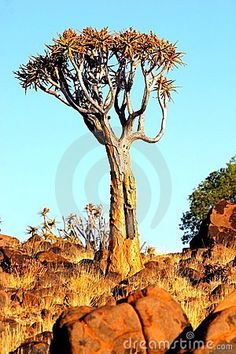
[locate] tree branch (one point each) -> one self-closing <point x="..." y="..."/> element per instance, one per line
<point x="49" y="78"/>
<point x="66" y="92"/>
<point x="93" y="124"/>
<point x="140" y="135"/>
<point x="110" y="99"/>
<point x="149" y="86"/>
<point x="120" y="110"/>
<point x="129" y="104"/>
<point x="110" y="137"/>
<point x="81" y="81"/>
<point x="128" y="87"/>
<point x="146" y="96"/>
<point x="133" y="67"/>
<point x="54" y="93"/>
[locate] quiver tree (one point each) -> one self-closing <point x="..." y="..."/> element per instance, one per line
<point x="94" y="73"/>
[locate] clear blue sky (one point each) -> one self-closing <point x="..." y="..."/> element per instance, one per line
<point x="43" y="143"/>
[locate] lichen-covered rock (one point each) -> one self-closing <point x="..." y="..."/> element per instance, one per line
<point x="147" y="316"/>
<point x="162" y="318"/>
<point x="217" y="333"/>
<point x="85" y="330"/>
<point x="218" y="228"/>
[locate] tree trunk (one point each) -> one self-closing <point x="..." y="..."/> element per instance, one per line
<point x="124" y="248"/>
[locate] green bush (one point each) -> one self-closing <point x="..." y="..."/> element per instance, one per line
<point x="218" y="185"/>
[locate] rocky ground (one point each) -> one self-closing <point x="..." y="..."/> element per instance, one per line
<point x="57" y="283"/>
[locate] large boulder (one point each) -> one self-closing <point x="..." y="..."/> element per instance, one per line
<point x="74" y="252"/>
<point x="9" y="241"/>
<point x="229" y="301"/>
<point x="217" y="333"/>
<point x="218" y="228"/>
<point x="35" y="244"/>
<point x="48" y="257"/>
<point x="147" y="321"/>
<point x="52" y="260"/>
<point x="15" y="260"/>
<point x="39" y="344"/>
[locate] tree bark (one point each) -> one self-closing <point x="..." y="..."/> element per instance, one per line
<point x="124" y="248"/>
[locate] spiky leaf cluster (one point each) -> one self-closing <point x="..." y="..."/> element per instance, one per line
<point x="94" y="71"/>
<point x="95" y="48"/>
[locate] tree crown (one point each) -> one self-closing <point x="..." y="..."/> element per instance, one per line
<point x="93" y="71"/>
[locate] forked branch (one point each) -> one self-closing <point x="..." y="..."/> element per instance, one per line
<point x="140" y="134"/>
<point x="94" y="72"/>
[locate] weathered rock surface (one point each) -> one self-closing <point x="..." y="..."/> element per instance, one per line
<point x="217" y="333"/>
<point x="49" y="257"/>
<point x="229" y="301"/>
<point x="4" y="299"/>
<point x="73" y="251"/>
<point x="32" y="348"/>
<point x="218" y="330"/>
<point x="34" y="243"/>
<point x="16" y="260"/>
<point x="218" y="228"/>
<point x="221" y="291"/>
<point x="39" y="344"/>
<point x="8" y="241"/>
<point x="147" y="316"/>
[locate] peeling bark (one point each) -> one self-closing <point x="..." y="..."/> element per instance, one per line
<point x="124" y="249"/>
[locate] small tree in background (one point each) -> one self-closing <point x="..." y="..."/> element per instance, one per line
<point x="94" y="73"/>
<point x="90" y="231"/>
<point x="47" y="229"/>
<point x="218" y="185"/>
